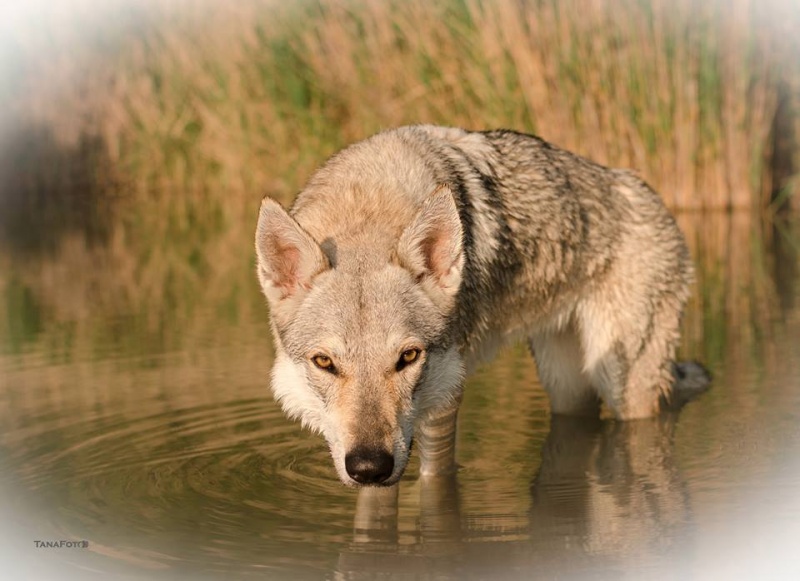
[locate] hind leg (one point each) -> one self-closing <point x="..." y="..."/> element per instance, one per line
<point x="559" y="361"/>
<point x="629" y="354"/>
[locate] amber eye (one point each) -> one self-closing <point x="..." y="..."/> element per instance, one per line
<point x="408" y="357"/>
<point x="323" y="362"/>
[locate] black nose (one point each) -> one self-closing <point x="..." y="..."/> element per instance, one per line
<point x="369" y="465"/>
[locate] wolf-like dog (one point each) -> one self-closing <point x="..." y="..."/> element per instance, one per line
<point x="411" y="257"/>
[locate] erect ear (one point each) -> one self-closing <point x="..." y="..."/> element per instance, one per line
<point x="431" y="246"/>
<point x="288" y="258"/>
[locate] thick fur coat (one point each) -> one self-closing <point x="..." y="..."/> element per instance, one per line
<point x="412" y="256"/>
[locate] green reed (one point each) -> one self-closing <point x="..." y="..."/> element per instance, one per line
<point x="250" y="97"/>
<point x="176" y="118"/>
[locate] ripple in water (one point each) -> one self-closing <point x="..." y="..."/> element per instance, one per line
<point x="214" y="487"/>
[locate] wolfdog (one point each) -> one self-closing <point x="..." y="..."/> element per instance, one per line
<point x="411" y="257"/>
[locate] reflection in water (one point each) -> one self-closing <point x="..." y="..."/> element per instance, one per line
<point x="607" y="496"/>
<point x="612" y="489"/>
<point x="135" y="414"/>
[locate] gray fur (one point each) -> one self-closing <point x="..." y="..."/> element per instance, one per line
<point x="458" y="243"/>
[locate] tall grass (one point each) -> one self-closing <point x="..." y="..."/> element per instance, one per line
<point x="248" y="97"/>
<point x="199" y="108"/>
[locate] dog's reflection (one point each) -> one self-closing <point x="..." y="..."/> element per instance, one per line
<point x="608" y="488"/>
<point x="607" y="494"/>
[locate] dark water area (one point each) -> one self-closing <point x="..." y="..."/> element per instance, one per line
<point x="135" y="415"/>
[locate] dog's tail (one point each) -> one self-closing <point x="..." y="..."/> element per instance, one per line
<point x="691" y="380"/>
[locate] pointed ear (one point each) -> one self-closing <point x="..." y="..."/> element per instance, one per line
<point x="431" y="246"/>
<point x="288" y="258"/>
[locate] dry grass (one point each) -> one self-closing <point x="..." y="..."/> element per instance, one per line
<point x="200" y="108"/>
<point x="249" y="97"/>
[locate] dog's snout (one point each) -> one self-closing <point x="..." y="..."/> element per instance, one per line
<point x="369" y="466"/>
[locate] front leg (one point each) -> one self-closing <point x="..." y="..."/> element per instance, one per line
<point x="436" y="438"/>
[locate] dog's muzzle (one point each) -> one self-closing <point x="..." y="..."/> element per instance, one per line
<point x="369" y="466"/>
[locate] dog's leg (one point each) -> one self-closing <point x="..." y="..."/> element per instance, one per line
<point x="651" y="381"/>
<point x="436" y="440"/>
<point x="559" y="362"/>
<point x="629" y="352"/>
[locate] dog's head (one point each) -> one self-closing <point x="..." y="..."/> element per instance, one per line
<point x="364" y="352"/>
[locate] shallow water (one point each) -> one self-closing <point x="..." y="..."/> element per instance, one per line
<point x="142" y="424"/>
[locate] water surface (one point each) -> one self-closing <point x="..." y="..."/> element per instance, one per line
<point x="135" y="415"/>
